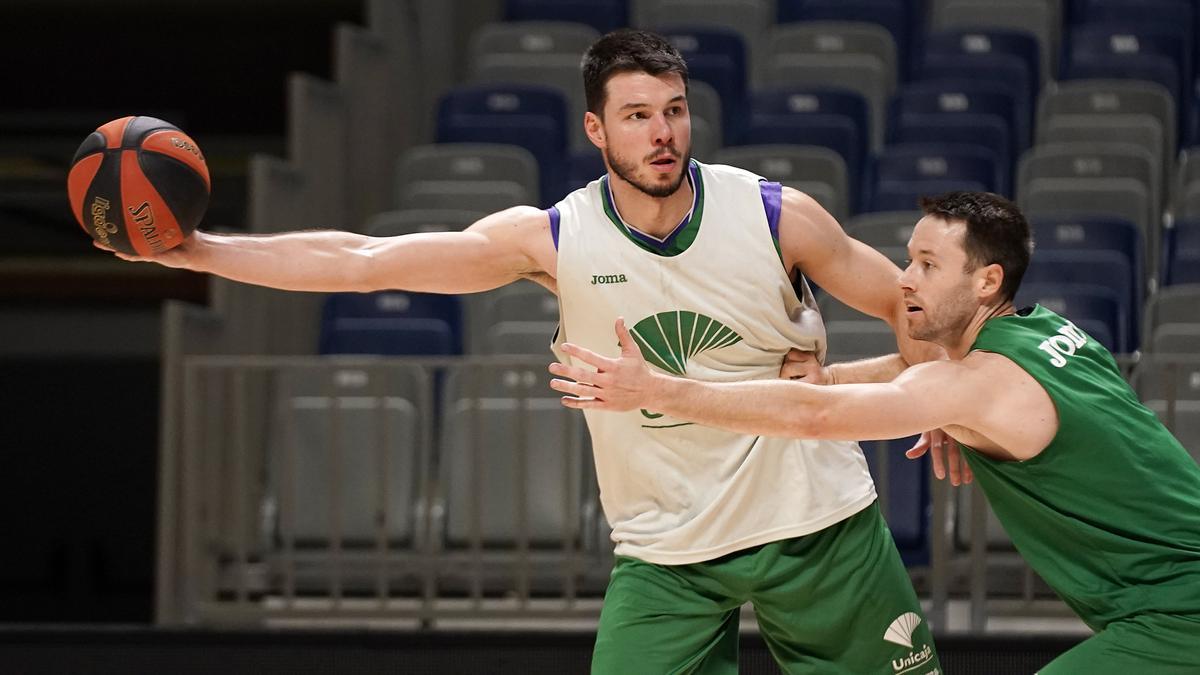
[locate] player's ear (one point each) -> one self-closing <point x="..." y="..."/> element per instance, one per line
<point x="594" y="127"/>
<point x="988" y="279"/>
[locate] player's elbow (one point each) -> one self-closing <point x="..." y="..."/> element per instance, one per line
<point x="807" y="422"/>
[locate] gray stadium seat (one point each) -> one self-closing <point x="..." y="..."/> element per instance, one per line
<point x="520" y="337"/>
<point x="338" y="432"/>
<point x="750" y="19"/>
<point x="1136" y="129"/>
<point x="1177" y="338"/>
<point x="864" y="74"/>
<point x="1171" y="305"/>
<point x="884" y="229"/>
<point x="515" y="319"/>
<point x="535" y="38"/>
<point x="488" y="196"/>
<point x="817" y="171"/>
<point x="1042" y="18"/>
<point x="1170" y="386"/>
<point x="1126" y="198"/>
<point x="538" y="467"/>
<point x="1111" y="97"/>
<point x="1098" y="160"/>
<point x="408" y="221"/>
<point x="835" y="37"/>
<point x="468" y="162"/>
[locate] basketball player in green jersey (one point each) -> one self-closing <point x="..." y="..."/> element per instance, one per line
<point x="698" y="522"/>
<point x="1100" y="499"/>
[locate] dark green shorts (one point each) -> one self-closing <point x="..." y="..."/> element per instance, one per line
<point x="835" y="601"/>
<point x="1147" y="643"/>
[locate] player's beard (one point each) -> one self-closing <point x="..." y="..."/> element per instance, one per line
<point x="949" y="320"/>
<point x="627" y="171"/>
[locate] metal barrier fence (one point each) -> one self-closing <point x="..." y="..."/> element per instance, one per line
<point x="380" y="489"/>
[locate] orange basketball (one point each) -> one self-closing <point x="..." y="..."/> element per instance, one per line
<point x="138" y="185"/>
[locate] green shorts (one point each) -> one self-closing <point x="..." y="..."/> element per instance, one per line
<point x="1147" y="643"/>
<point x="835" y="601"/>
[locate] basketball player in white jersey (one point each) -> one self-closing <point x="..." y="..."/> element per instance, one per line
<point x="706" y="261"/>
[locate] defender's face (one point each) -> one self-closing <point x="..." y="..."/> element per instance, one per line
<point x="647" y="131"/>
<point x="938" y="291"/>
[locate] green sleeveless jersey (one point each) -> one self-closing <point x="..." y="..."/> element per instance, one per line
<point x="1109" y="513"/>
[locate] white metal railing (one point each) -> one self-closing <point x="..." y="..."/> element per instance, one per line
<point x="402" y="488"/>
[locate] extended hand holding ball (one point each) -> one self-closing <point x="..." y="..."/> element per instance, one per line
<point x="138" y="185"/>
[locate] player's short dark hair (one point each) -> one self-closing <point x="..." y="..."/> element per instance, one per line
<point x="997" y="232"/>
<point x="622" y="51"/>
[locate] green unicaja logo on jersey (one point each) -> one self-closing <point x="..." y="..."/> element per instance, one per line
<point x="669" y="339"/>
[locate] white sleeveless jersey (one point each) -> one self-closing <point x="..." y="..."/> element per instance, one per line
<point x="721" y="310"/>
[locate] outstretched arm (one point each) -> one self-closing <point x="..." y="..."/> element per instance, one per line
<point x="496" y="250"/>
<point x="774" y="407"/>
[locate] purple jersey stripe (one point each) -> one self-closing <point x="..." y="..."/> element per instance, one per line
<point x="554" y="216"/>
<point x="772" y="196"/>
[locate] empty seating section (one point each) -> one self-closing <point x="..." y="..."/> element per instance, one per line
<point x="529" y="116"/>
<point x="1081" y="111"/>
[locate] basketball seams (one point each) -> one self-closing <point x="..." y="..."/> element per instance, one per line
<point x="83" y="172"/>
<point x="177" y="184"/>
<point x="141" y="206"/>
<point x="193" y="162"/>
<point x="114" y="132"/>
<point x="141" y="127"/>
<point x="101" y="207"/>
<point x="93" y="144"/>
<point x="149" y="221"/>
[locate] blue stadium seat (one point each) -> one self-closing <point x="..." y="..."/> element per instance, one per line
<point x="897" y="17"/>
<point x="603" y="15"/>
<point x="971" y="43"/>
<point x="830" y="118"/>
<point x="1096" y="311"/>
<point x="1093" y="270"/>
<point x="391" y="322"/>
<point x="534" y="118"/>
<point x="901" y="174"/>
<point x="1131" y="12"/>
<point x="984" y="111"/>
<point x="717" y="57"/>
<point x="1182" y="263"/>
<point x="1157" y="53"/>
<point x="1094" y="233"/>
<point x="907" y="506"/>
<point x="1001" y="58"/>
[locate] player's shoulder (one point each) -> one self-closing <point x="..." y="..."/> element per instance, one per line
<point x="992" y="367"/>
<point x="721" y="172"/>
<point x="515" y="222"/>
